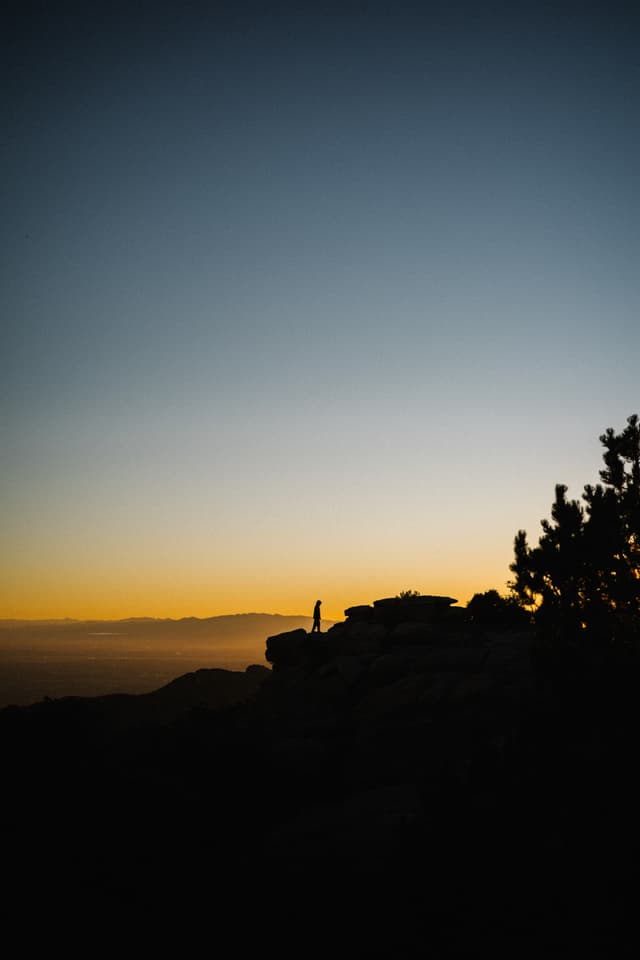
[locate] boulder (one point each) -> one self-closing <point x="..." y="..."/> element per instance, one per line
<point x="286" y="649"/>
<point x="390" y="667"/>
<point x="394" y="699"/>
<point x="427" y="609"/>
<point x="360" y="638"/>
<point x="414" y="633"/>
<point x="361" y="612"/>
<point x="350" y="668"/>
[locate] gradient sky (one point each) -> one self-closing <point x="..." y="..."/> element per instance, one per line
<point x="307" y="304"/>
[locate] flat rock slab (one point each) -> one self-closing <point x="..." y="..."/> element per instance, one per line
<point x="427" y="609"/>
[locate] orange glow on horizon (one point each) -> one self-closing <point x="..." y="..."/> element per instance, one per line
<point x="117" y="601"/>
<point x="194" y="575"/>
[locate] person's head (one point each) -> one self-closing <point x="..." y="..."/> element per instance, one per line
<point x="318" y="602"/>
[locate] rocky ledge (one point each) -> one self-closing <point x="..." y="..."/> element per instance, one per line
<point x="405" y="784"/>
<point x="395" y="637"/>
<point x="405" y="695"/>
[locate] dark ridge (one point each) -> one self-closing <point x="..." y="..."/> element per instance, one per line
<point x="407" y="783"/>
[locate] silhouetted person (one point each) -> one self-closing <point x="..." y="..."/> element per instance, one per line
<point x="316" y="617"/>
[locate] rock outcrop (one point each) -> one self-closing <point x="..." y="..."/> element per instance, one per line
<point x="427" y="754"/>
<point x="400" y="635"/>
<point x="394" y="658"/>
<point x="404" y="784"/>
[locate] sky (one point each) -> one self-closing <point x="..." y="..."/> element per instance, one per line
<point x="306" y="300"/>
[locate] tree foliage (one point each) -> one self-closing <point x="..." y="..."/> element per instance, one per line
<point x="495" y="612"/>
<point x="582" y="580"/>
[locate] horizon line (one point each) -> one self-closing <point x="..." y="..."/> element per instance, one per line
<point x="216" y="616"/>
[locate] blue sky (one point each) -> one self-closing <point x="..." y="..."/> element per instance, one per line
<point x="307" y="299"/>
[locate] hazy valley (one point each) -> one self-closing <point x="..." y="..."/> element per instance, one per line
<point x="58" y="658"/>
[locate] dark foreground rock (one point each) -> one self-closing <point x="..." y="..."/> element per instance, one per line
<point x="403" y="785"/>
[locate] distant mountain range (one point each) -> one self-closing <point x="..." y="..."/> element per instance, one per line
<point x="230" y="618"/>
<point x="243" y="627"/>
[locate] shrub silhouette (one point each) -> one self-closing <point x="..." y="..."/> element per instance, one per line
<point x="493" y="611"/>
